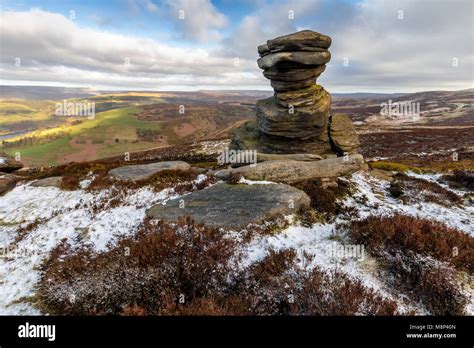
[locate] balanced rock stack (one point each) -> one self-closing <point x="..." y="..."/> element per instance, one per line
<point x="297" y="118"/>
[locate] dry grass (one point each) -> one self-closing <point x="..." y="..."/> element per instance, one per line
<point x="393" y="166"/>
<point x="325" y="200"/>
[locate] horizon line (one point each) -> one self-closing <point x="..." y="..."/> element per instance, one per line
<point x="221" y="90"/>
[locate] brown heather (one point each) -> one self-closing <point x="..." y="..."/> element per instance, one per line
<point x="424" y="237"/>
<point x="421" y="256"/>
<point x="411" y="189"/>
<point x="187" y="261"/>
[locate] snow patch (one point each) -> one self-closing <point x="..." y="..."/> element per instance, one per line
<point x="80" y="217"/>
<point x="252" y="182"/>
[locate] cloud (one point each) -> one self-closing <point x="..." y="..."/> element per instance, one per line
<point x="404" y="45"/>
<point x="388" y="46"/>
<point x="80" y="55"/>
<point x="383" y="52"/>
<point x="198" y="20"/>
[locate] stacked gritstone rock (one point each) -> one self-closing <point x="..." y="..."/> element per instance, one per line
<point x="297" y="118"/>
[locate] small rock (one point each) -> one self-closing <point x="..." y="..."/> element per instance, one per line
<point x="144" y="171"/>
<point x="53" y="181"/>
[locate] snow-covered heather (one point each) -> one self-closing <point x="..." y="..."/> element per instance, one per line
<point x="373" y="198"/>
<point x="436" y="178"/>
<point x="322" y="241"/>
<point x="67" y="214"/>
<point x="323" y="244"/>
<point x="84" y="217"/>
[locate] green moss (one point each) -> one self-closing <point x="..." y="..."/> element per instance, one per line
<point x="394" y="167"/>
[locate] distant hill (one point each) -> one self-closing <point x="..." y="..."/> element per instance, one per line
<point x="58" y="93"/>
<point x="362" y="95"/>
<point x="44" y="92"/>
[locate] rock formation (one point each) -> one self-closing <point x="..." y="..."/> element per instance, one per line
<point x="297" y="119"/>
<point x="233" y="206"/>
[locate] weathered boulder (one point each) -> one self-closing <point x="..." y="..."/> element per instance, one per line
<point x="53" y="181"/>
<point x="297" y="118"/>
<point x="144" y="171"/>
<point x="8" y="164"/>
<point x="233" y="206"/>
<point x="343" y="134"/>
<point x="289" y="171"/>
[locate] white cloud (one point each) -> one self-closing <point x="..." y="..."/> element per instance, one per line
<point x="385" y="53"/>
<point x="79" y="55"/>
<point x="414" y="52"/>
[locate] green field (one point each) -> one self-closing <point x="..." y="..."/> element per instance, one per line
<point x="110" y="133"/>
<point x="18" y="114"/>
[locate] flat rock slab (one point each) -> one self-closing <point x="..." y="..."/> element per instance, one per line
<point x="53" y="181"/>
<point x="233" y="206"/>
<point x="144" y="171"/>
<point x="290" y="171"/>
<point x="293" y="59"/>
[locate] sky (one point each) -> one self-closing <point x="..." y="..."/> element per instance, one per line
<point x="377" y="45"/>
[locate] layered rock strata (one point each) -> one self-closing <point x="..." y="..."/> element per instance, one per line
<point x="296" y="119"/>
